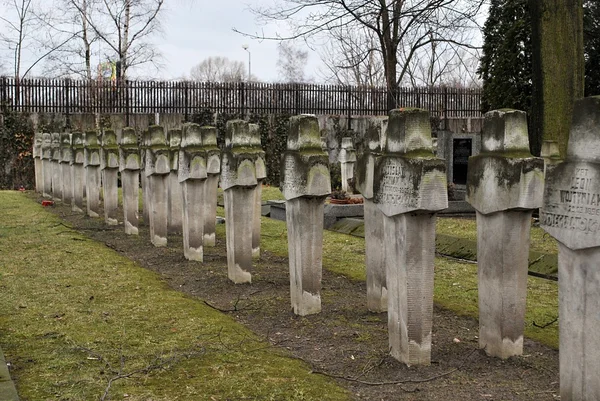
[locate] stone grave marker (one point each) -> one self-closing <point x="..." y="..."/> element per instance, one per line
<point x="66" y="172"/>
<point x="56" y="171"/>
<point x="373" y="219"/>
<point x="130" y="164"/>
<point x="505" y="183"/>
<point x="37" y="161"/>
<point x="144" y="180"/>
<point x="305" y="184"/>
<point x="109" y="166"/>
<point x="192" y="177"/>
<point x="157" y="169"/>
<point x="409" y="188"/>
<point x="242" y="166"/>
<point x="571" y="214"/>
<point x="47" y="165"/>
<point x="77" y="171"/>
<point x="347" y="159"/>
<point x="91" y="163"/>
<point x="550" y="152"/>
<point x="175" y="188"/>
<point x="213" y="170"/>
<point x="255" y="134"/>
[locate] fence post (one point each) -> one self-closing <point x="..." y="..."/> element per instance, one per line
<point x="243" y="99"/>
<point x="67" y="103"/>
<point x="445" y="108"/>
<point x="186" y="101"/>
<point x="127" y="111"/>
<point x="349" y="123"/>
<point x="296" y="99"/>
<point x="4" y="92"/>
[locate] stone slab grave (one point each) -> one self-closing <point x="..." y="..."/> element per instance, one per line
<point x="373" y="219"/>
<point x="305" y="184"/>
<point x="66" y="158"/>
<point x="347" y="159"/>
<point x="37" y="161"/>
<point x="109" y="165"/>
<point x="78" y="171"/>
<point x="409" y="188"/>
<point x="242" y="166"/>
<point x="175" y="220"/>
<point x="157" y="169"/>
<point x="130" y="164"/>
<point x="91" y="163"/>
<point x="192" y="177"/>
<point x="213" y="171"/>
<point x="56" y="170"/>
<point x="254" y="132"/>
<point x="332" y="213"/>
<point x="571" y="214"/>
<point x="46" y="165"/>
<point x="505" y="185"/>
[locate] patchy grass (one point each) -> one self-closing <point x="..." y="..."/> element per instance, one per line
<point x="76" y="316"/>
<point x="467" y="228"/>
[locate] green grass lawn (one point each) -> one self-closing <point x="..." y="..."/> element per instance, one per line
<point x="76" y="316"/>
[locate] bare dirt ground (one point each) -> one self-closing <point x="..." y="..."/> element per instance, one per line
<point x="345" y="341"/>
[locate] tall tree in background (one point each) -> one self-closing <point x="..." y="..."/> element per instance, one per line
<point x="219" y="69"/>
<point x="291" y="62"/>
<point x="558" y="68"/>
<point x="402" y="28"/>
<point x="505" y="65"/>
<point x="591" y="41"/>
<point x="125" y="26"/>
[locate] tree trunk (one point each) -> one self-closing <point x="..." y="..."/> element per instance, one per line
<point x="558" y="69"/>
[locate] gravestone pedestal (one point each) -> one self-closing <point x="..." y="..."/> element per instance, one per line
<point x="409" y="186"/>
<point x="129" y="165"/>
<point x="46" y="165"/>
<point x="239" y="212"/>
<point x="175" y="188"/>
<point x="242" y="167"/>
<point x="145" y="190"/>
<point x="57" y="184"/>
<point x="192" y="174"/>
<point x="347" y="158"/>
<point x="157" y="169"/>
<point x="66" y="172"/>
<point x="410" y="285"/>
<point x="92" y="173"/>
<point x="503" y="259"/>
<point x="37" y="160"/>
<point x="305" y="185"/>
<point x="571" y="214"/>
<point x="377" y="299"/>
<point x="77" y="171"/>
<point x="256" y="220"/>
<point x="110" y="179"/>
<point x="373" y="217"/>
<point x="210" y="209"/>
<point x="504" y="185"/>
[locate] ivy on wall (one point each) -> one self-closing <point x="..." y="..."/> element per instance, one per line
<point x="16" y="144"/>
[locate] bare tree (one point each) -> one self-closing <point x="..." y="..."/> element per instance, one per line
<point x="291" y="62"/>
<point x="401" y="27"/>
<point x="124" y="26"/>
<point x="219" y="69"/>
<point x="352" y="59"/>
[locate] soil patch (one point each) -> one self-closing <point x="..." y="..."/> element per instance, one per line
<point x="345" y="341"/>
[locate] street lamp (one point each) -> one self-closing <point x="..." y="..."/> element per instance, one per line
<point x="245" y="47"/>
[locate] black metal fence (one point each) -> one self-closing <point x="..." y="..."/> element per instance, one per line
<point x="188" y="97"/>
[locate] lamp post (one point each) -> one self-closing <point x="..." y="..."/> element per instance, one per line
<point x="245" y="47"/>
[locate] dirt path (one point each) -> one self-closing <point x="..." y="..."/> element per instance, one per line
<point x="345" y="340"/>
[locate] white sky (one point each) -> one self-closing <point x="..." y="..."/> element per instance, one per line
<point x="197" y="29"/>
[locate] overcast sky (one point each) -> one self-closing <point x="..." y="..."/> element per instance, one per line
<point x="196" y="30"/>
